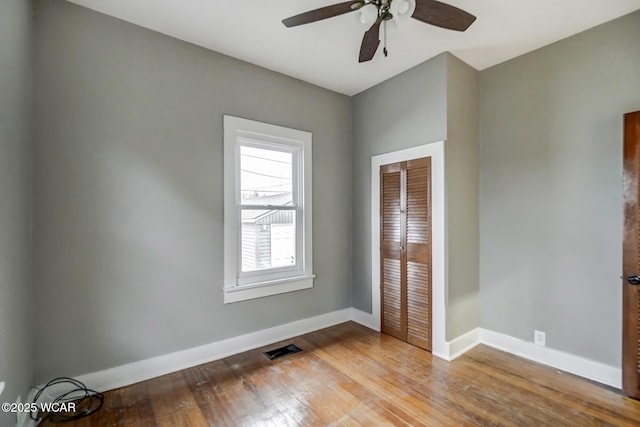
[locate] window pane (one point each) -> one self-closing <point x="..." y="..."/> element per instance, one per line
<point x="268" y="239"/>
<point x="265" y="177"/>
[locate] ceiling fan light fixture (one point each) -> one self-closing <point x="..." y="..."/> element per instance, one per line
<point x="368" y="14"/>
<point x="402" y="9"/>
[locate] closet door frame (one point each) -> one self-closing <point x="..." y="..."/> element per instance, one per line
<point x="435" y="150"/>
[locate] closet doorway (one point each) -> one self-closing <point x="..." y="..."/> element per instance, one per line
<point x="406" y="251"/>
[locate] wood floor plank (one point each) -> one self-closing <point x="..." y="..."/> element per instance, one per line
<point x="173" y="403"/>
<point x="111" y="412"/>
<point x="135" y="404"/>
<point x="209" y="395"/>
<point x="348" y="375"/>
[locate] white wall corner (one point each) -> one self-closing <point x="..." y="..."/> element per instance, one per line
<point x="465" y="342"/>
<point x="365" y="319"/>
<point x="577" y="365"/>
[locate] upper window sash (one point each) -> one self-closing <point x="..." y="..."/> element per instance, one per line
<point x="293" y="147"/>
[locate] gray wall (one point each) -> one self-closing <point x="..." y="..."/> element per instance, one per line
<point x="551" y="189"/>
<point x="128" y="183"/>
<point x="15" y="202"/>
<point x="462" y="204"/>
<point x="405" y="111"/>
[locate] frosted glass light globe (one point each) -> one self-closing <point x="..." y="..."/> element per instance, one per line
<point x="368" y="14"/>
<point x="402" y="9"/>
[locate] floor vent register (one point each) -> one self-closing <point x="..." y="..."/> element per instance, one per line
<point x="282" y="351"/>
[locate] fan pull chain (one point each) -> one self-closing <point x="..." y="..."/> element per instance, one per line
<point x="384" y="49"/>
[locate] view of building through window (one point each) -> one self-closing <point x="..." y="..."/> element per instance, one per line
<point x="267" y="212"/>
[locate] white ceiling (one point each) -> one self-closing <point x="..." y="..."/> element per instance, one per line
<point x="326" y="52"/>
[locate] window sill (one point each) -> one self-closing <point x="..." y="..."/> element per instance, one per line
<point x="264" y="289"/>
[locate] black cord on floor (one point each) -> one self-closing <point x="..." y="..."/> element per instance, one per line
<point x="86" y="401"/>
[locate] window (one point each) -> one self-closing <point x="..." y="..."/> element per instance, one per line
<point x="267" y="210"/>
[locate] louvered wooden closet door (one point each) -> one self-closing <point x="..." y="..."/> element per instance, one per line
<point x="405" y="263"/>
<point x="631" y="258"/>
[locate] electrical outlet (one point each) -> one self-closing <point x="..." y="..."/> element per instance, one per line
<point x="540" y="338"/>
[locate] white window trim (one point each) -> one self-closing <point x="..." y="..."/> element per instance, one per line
<point x="278" y="280"/>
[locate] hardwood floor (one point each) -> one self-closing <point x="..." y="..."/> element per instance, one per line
<point x="350" y="375"/>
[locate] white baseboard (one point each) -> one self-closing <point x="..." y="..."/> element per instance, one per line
<point x="596" y="371"/>
<point x="142" y="370"/>
<point x="463" y="343"/>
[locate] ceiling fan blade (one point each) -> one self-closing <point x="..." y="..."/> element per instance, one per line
<point x="323" y="13"/>
<point x="370" y="42"/>
<point x="442" y="15"/>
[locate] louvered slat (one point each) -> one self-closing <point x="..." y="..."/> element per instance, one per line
<point x="417" y="204"/>
<point x="391" y="207"/>
<point x="418" y="306"/>
<point x="392" y="316"/>
<point x="391" y="234"/>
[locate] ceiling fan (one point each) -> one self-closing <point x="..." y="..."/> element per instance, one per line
<point x="380" y="11"/>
